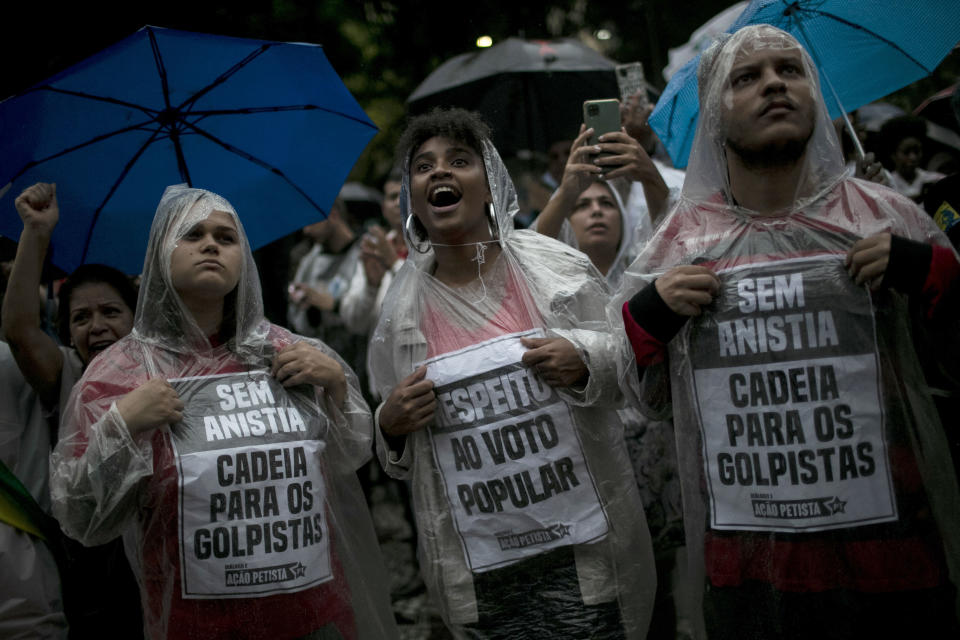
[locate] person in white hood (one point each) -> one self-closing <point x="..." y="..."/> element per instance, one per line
<point x="497" y="367"/>
<point x="772" y="312"/>
<point x="223" y="449"/>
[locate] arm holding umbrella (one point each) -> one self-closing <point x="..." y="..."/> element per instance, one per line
<point x="36" y="352"/>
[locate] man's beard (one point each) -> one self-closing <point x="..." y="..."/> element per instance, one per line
<point x="773" y="155"/>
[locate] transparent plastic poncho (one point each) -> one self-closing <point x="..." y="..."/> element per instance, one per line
<point x="244" y="520"/>
<point x="811" y="455"/>
<point x="495" y="527"/>
<point x="649" y="442"/>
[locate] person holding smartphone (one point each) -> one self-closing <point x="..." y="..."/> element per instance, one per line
<point x="588" y="213"/>
<point x="642" y="209"/>
<point x="619" y="159"/>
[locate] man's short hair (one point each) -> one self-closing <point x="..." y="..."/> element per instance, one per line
<point x="463" y="126"/>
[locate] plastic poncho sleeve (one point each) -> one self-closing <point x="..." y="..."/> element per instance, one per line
<point x="96" y="469"/>
<point x="95" y="473"/>
<point x="352" y="444"/>
<point x="395" y="461"/>
<point x="358" y="306"/>
<point x="578" y="315"/>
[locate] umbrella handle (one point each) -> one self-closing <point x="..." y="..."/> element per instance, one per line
<point x="853" y="134"/>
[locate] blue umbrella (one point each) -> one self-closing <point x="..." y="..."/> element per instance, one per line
<point x="864" y="50"/>
<point x="268" y="125"/>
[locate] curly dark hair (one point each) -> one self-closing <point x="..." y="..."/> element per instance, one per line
<point x="895" y="130"/>
<point x="456" y="124"/>
<point x="92" y="274"/>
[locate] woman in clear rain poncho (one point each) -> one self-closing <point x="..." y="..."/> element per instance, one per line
<point x="223" y="449"/>
<point x="818" y="493"/>
<point x="588" y="213"/>
<point x="496" y="364"/>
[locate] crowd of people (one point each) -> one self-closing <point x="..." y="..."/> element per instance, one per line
<point x="648" y="403"/>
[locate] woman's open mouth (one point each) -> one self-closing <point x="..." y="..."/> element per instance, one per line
<point x="96" y="347"/>
<point x="444" y="198"/>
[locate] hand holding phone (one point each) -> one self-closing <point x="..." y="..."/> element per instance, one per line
<point x="631" y="81"/>
<point x="603" y="116"/>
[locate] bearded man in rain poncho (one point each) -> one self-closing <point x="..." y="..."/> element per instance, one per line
<point x="224" y="449"/>
<point x="495" y="360"/>
<point x="771" y="309"/>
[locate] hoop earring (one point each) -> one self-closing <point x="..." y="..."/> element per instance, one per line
<point x="418" y="244"/>
<point x="492" y="222"/>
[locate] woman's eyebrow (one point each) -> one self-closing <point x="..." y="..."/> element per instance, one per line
<point x="424" y="155"/>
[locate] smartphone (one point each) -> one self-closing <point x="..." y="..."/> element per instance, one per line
<point x="630" y="79"/>
<point x="603" y="116"/>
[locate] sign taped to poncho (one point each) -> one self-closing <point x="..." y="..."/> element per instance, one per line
<point x="251" y="499"/>
<point x="510" y="456"/>
<point x="787" y="387"/>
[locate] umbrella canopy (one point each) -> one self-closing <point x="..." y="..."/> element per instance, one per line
<point x="268" y="125"/>
<point x="531" y="92"/>
<point x="864" y="50"/>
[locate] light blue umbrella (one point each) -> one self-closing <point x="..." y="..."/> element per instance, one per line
<point x="864" y="49"/>
<point x="269" y="125"/>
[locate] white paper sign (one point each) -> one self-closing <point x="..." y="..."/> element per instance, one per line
<point x="511" y="459"/>
<point x="788" y="392"/>
<point x="252" y="495"/>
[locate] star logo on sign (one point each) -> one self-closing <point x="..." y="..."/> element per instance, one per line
<point x="561" y="530"/>
<point x="837" y="505"/>
<point x="299" y="570"/>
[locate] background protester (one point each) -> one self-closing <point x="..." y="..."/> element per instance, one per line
<point x="903" y="139"/>
<point x="323" y="275"/>
<point x="516" y="319"/>
<point x="595" y="222"/>
<point x="31" y="603"/>
<point x="382" y="253"/>
<point x="770" y="310"/>
<point x="224" y="449"/>
<point x="95" y="310"/>
<point x="656" y="183"/>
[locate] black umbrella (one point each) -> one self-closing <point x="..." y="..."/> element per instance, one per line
<point x="531" y="92"/>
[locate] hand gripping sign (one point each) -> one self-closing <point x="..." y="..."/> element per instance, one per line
<point x="251" y="490"/>
<point x="787" y="387"/>
<point x="510" y="456"/>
